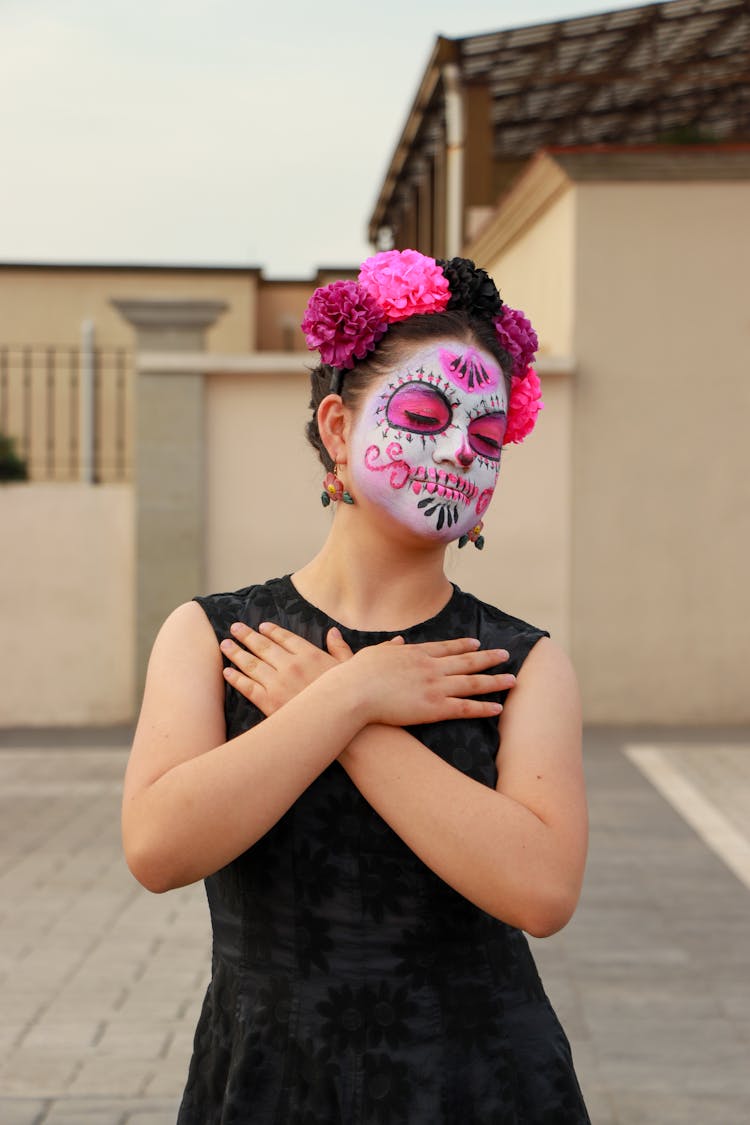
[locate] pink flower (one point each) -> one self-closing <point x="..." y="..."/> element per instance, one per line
<point x="525" y="403"/>
<point x="343" y="322"/>
<point x="405" y="283"/>
<point x="519" y="339"/>
<point x="333" y="486"/>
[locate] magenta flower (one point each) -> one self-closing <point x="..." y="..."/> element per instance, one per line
<point x="405" y="283"/>
<point x="343" y="322"/>
<point x="519" y="339"/>
<point x="524" y="406"/>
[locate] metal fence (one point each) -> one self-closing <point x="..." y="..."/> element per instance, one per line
<point x="69" y="410"/>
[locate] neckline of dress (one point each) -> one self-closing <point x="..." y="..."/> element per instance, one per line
<point x="382" y="633"/>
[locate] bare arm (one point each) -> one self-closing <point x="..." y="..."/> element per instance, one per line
<point x="193" y="801"/>
<point x="519" y="851"/>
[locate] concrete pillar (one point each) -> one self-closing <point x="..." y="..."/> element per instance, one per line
<point x="169" y="464"/>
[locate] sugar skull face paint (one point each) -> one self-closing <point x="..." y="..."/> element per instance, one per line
<point x="426" y="445"/>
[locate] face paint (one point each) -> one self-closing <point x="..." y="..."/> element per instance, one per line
<point x="426" y="444"/>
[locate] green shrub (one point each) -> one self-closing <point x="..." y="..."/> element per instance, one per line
<point x="12" y="467"/>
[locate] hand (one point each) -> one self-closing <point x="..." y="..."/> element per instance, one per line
<point x="404" y="685"/>
<point x="273" y="664"/>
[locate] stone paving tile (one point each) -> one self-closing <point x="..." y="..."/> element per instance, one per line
<point x="24" y="1111"/>
<point x="102" y="982"/>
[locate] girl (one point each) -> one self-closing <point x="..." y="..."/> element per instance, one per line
<point x="377" y="775"/>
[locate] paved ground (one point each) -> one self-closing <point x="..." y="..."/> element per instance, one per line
<point x="101" y="982"/>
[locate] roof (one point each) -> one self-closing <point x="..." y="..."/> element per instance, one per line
<point x="672" y="71"/>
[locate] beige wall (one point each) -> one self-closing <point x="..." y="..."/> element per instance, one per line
<point x="281" y="306"/>
<point x="263" y="481"/>
<point x="39" y="306"/>
<point x="536" y="273"/>
<point x="66" y="604"/>
<point x="661" y="520"/>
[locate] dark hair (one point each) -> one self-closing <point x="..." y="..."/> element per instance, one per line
<point x="456" y="324"/>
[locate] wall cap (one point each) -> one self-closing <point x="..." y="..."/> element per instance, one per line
<point x="166" y="312"/>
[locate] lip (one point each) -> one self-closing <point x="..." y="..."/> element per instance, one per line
<point x="439" y="483"/>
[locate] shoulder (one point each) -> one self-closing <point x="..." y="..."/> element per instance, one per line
<point x="247" y="603"/>
<point x="498" y="629"/>
<point x="546" y="696"/>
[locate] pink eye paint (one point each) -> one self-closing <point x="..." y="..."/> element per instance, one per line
<point x="486" y="435"/>
<point x="418" y="409"/>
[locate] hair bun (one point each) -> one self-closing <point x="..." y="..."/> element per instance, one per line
<point x="472" y="289"/>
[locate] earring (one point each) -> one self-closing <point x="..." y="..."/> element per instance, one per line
<point x="333" y="489"/>
<point x="474" y="536"/>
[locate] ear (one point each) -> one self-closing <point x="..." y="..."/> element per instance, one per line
<point x="333" y="424"/>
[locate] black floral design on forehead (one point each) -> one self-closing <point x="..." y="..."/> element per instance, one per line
<point x="466" y="366"/>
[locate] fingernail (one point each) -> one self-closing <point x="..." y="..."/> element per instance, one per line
<point x="227" y="646"/>
<point x="237" y="627"/>
<point x="336" y="632"/>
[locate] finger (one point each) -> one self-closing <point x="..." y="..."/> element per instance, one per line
<point x="468" y="662"/>
<point x="337" y="646"/>
<point x="397" y="641"/>
<point x="288" y="640"/>
<point x="264" y="647"/>
<point x="474" y="709"/>
<point x="464" y="686"/>
<point x="454" y="647"/>
<point x="248" y="688"/>
<point x="246" y="662"/>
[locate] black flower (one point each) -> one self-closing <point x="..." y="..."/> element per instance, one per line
<point x="345" y="1018"/>
<point x="472" y="288"/>
<point x="313" y="942"/>
<point x="315" y="877"/>
<point x="471" y="1016"/>
<point x="383" y="887"/>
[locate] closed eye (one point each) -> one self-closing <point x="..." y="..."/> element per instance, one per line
<point x="419" y="408"/>
<point x="421" y="419"/>
<point x="486" y="435"/>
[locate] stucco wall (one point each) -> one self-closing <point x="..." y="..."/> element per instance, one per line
<point x="66" y="604"/>
<point x="535" y="273"/>
<point x="39" y="306"/>
<point x="661" y="520"/>
<point x="263" y="510"/>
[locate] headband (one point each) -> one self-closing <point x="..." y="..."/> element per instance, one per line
<point x="345" y="320"/>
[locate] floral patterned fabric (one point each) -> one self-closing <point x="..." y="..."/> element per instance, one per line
<point x="351" y="985"/>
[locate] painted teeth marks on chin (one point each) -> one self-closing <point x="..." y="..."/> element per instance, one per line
<point x="446" y="513"/>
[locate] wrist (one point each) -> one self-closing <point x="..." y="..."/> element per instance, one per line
<point x="351" y="689"/>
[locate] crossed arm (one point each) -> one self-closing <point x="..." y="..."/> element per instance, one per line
<point x="193" y="802"/>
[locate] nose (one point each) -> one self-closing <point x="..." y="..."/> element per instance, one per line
<point x="456" y="450"/>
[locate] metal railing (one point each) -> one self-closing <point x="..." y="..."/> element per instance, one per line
<point x="69" y="410"/>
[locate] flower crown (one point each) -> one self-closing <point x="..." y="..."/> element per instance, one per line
<point x="345" y="320"/>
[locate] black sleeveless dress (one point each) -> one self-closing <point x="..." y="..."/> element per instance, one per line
<point x="351" y="985"/>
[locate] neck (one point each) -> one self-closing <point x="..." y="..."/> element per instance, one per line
<point x="368" y="577"/>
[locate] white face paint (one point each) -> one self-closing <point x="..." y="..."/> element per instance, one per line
<point x="426" y="445"/>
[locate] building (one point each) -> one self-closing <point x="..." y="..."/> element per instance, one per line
<point x="555" y="156"/>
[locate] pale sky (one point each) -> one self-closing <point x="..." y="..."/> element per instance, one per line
<point x="214" y="132"/>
